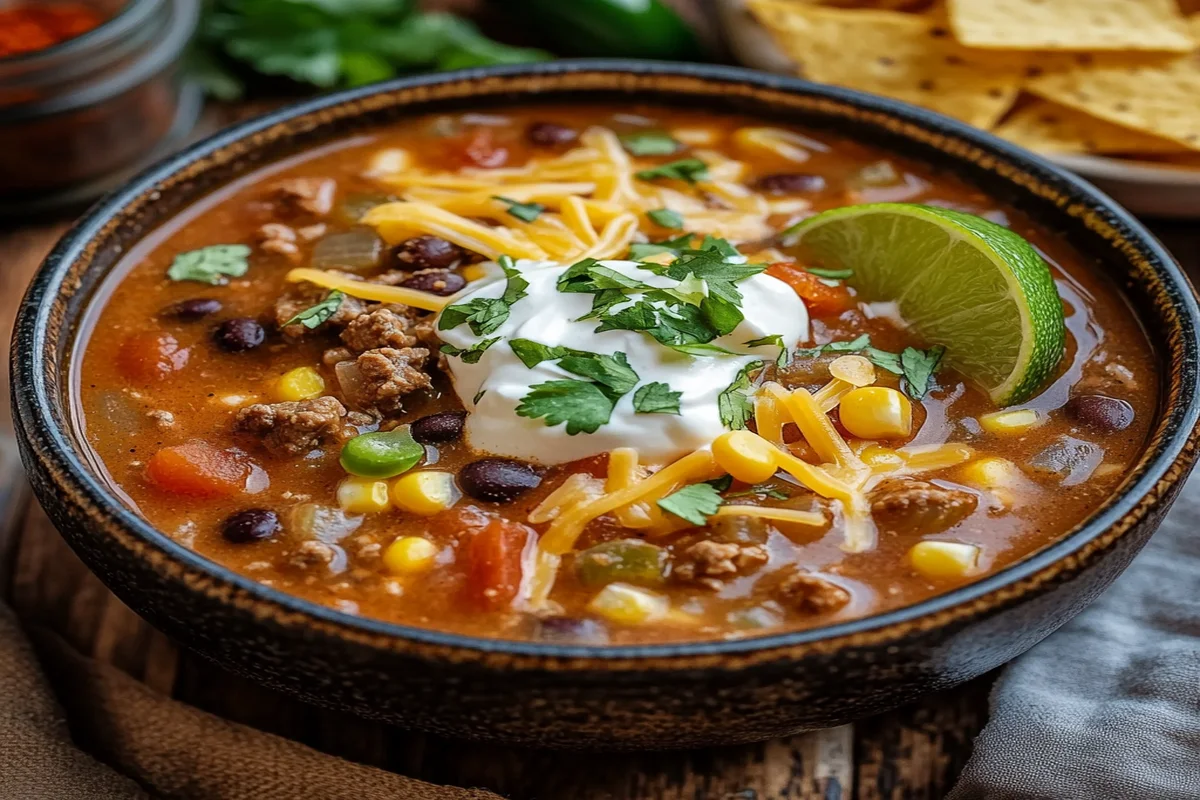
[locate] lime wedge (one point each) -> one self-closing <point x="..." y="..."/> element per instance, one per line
<point x="960" y="281"/>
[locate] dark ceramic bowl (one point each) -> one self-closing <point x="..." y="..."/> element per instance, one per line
<point x="673" y="695"/>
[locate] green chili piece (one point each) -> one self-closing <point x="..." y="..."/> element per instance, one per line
<point x="381" y="455"/>
<point x="626" y="560"/>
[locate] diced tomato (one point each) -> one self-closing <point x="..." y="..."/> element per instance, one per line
<point x="198" y="469"/>
<point x="151" y="356"/>
<point x="822" y="300"/>
<point x="493" y="562"/>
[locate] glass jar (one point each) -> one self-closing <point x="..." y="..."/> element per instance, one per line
<point x="77" y="117"/>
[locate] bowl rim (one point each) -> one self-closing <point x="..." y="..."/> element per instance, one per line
<point x="48" y="447"/>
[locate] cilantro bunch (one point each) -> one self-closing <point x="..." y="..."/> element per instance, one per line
<point x="330" y="43"/>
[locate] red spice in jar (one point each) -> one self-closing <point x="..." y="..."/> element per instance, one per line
<point x="29" y="28"/>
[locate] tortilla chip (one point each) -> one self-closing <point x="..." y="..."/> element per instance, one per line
<point x="1071" y="25"/>
<point x="1161" y="100"/>
<point x="1050" y="128"/>
<point x="906" y="56"/>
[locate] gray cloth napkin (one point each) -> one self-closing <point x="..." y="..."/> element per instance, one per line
<point x="1109" y="706"/>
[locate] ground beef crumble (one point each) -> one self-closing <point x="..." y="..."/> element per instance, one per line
<point x="906" y="504"/>
<point x="707" y="562"/>
<point x="293" y="428"/>
<point x="809" y="594"/>
<point x="391" y="326"/>
<point x="391" y="373"/>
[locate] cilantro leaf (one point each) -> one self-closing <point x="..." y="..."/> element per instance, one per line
<point x="694" y="503"/>
<point x="328" y="43"/>
<point x="611" y="372"/>
<point x="641" y="316"/>
<point x="590" y="276"/>
<point x="665" y="218"/>
<point x="533" y="353"/>
<point x="919" y="366"/>
<point x="733" y="403"/>
<point x="775" y="340"/>
<point x="831" y="274"/>
<point x="313" y="316"/>
<point x="484" y="314"/>
<point x="580" y="404"/>
<point x="656" y="398"/>
<point x="478" y="396"/>
<point x="687" y="169"/>
<point x="212" y="265"/>
<point x="722" y="315"/>
<point x="722" y="246"/>
<point x="720" y="274"/>
<point x="855" y="345"/>
<point x="640" y="250"/>
<point x="472" y="354"/>
<point x="526" y="212"/>
<point x="703" y="349"/>
<point x="722" y="483"/>
<point x="516" y="285"/>
<point x="649" y="143"/>
<point x="884" y="360"/>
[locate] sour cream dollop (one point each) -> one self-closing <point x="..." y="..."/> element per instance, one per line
<point x="492" y="388"/>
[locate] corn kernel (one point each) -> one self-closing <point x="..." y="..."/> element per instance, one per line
<point x="629" y="605"/>
<point x="746" y="456"/>
<point x="301" y="383"/>
<point x="426" y="492"/>
<point x="1016" y="421"/>
<point x="876" y="412"/>
<point x="943" y="560"/>
<point x="409" y="554"/>
<point x="363" y="495"/>
<point x="992" y="473"/>
<point x="473" y="272"/>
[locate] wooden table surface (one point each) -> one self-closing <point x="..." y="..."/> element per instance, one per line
<point x="914" y="752"/>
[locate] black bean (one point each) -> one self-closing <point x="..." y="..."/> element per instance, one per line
<point x="239" y="334"/>
<point x="1100" y="412"/>
<point x="789" y="183"/>
<point x="192" y="309"/>
<point x="439" y="428"/>
<point x="571" y="630"/>
<point x="435" y="281"/>
<point x="497" y="480"/>
<point x="549" y="134"/>
<point x="251" y="525"/>
<point x="428" y="252"/>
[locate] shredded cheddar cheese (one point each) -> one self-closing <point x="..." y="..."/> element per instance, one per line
<point x="369" y="291"/>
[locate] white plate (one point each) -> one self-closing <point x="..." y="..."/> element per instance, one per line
<point x="1143" y="187"/>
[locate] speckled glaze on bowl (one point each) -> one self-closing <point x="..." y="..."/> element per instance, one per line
<point x="653" y="696"/>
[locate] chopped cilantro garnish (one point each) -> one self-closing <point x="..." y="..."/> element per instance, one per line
<point x="694" y="503"/>
<point x="533" y="353"/>
<point x="472" y="354"/>
<point x="649" y="143"/>
<point x="722" y="483"/>
<point x="582" y="405"/>
<point x="703" y="349"/>
<point x="719" y="273"/>
<point x="686" y="169"/>
<point x="733" y="403"/>
<point x="213" y="265"/>
<point x="774" y="340"/>
<point x="665" y="218"/>
<point x="916" y="366"/>
<point x="656" y="398"/>
<point x="832" y="274"/>
<point x="590" y="275"/>
<point x="919" y="366"/>
<point x="478" y="396"/>
<point x="314" y="316"/>
<point x="526" y="212"/>
<point x="486" y="314"/>
<point x="721" y="314"/>
<point x="638" y="250"/>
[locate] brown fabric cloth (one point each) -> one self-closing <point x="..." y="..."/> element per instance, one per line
<point x="149" y="746"/>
